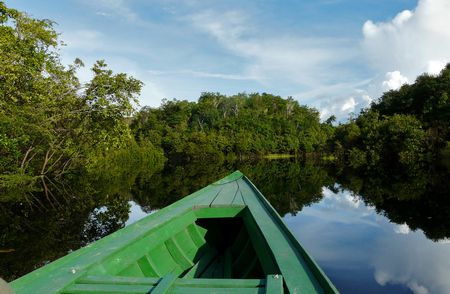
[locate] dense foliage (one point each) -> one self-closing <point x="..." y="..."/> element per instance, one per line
<point x="36" y="235"/>
<point x="239" y="125"/>
<point x="50" y="123"/>
<point x="53" y="127"/>
<point x="404" y="128"/>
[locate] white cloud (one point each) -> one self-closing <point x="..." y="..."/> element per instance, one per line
<point x="402" y="229"/>
<point x="318" y="71"/>
<point x="366" y="99"/>
<point x="384" y="278"/>
<point x="394" y="80"/>
<point x="434" y="67"/>
<point x="342" y="106"/>
<point x="346" y="201"/>
<point x="349" y="105"/>
<point x="412" y="42"/>
<point x="407" y="259"/>
<point x="311" y="66"/>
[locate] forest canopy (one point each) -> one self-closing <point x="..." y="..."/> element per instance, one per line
<point x="53" y="126"/>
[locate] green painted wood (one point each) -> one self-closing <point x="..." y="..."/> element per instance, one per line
<point x="218" y="212"/>
<point x="299" y="271"/>
<point x="67" y="269"/>
<point x="260" y="246"/>
<point x="115" y="280"/>
<point x="239" y="243"/>
<point x="209" y="269"/>
<point x="188" y="246"/>
<point x="178" y="254"/>
<point x="228" y="264"/>
<point x="239" y="199"/>
<point x="222" y="283"/>
<point x="218" y="270"/>
<point x="164" y="285"/>
<point x="133" y="270"/>
<point x="153" y="267"/>
<point x="146" y="267"/>
<point x="226" y="195"/>
<point x="248" y="268"/>
<point x="201" y="264"/>
<point x="106" y="289"/>
<point x="126" y="256"/>
<point x="140" y="249"/>
<point x="163" y="261"/>
<point x="188" y="290"/>
<point x="196" y="236"/>
<point x="242" y="259"/>
<point x="274" y="284"/>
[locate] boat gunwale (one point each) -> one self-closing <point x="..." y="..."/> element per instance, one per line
<point x="317" y="271"/>
<point x="113" y="243"/>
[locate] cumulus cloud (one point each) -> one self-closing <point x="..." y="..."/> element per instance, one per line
<point x="327" y="73"/>
<point x="407" y="259"/>
<point x="349" y="105"/>
<point x="394" y="80"/>
<point x="342" y="106"/>
<point x="383" y="278"/>
<point x="412" y="42"/>
<point x="398" y="50"/>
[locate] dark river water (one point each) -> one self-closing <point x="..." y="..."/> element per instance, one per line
<point x="370" y="231"/>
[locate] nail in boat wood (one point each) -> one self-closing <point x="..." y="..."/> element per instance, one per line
<point x="224" y="238"/>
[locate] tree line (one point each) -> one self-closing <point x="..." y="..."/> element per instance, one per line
<point x="219" y="126"/>
<point x="403" y="128"/>
<point x="52" y="126"/>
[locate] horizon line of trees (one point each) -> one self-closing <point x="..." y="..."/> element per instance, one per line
<point x="52" y="126"/>
<point x="219" y="126"/>
<point x="404" y="128"/>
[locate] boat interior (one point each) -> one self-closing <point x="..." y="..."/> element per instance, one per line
<point x="219" y="247"/>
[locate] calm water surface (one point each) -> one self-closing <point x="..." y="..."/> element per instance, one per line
<point x="365" y="239"/>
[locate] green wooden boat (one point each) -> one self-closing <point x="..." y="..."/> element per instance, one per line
<point x="224" y="238"/>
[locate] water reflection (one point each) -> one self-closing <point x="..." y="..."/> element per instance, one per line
<point x="136" y="213"/>
<point x="420" y="199"/>
<point x="363" y="252"/>
<point x="371" y="232"/>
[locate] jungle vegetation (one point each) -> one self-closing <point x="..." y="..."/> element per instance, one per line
<point x="84" y="150"/>
<point x="53" y="127"/>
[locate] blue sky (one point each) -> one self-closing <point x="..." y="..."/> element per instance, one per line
<point x="334" y="55"/>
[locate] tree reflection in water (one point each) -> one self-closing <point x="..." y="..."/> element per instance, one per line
<point x="32" y="236"/>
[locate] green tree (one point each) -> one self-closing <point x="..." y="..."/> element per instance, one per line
<point x="50" y="124"/>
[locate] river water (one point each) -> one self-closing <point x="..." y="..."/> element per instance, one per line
<point x="370" y="232"/>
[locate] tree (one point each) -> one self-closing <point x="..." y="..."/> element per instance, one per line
<point x="50" y="124"/>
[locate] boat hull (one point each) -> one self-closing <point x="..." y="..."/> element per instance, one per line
<point x="223" y="238"/>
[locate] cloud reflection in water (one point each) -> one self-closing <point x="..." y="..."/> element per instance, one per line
<point x="363" y="252"/>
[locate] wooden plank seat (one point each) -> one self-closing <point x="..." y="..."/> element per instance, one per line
<point x="171" y="284"/>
